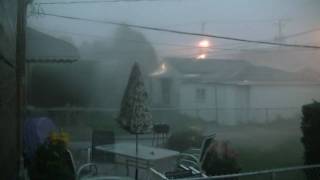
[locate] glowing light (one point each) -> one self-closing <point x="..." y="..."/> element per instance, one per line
<point x="204" y="44"/>
<point x="202" y="56"/>
<point x="163" y="67"/>
<point x="161" y="70"/>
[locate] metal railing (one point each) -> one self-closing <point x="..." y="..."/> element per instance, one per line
<point x="307" y="172"/>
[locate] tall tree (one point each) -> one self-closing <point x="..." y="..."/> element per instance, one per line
<point x="131" y="46"/>
<point x="128" y="46"/>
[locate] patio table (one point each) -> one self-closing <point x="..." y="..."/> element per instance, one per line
<point x="146" y="154"/>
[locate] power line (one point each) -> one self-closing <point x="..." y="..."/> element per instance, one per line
<point x="76" y="2"/>
<point x="87" y="2"/>
<point x="180" y="32"/>
<point x="144" y="42"/>
<point x="184" y="46"/>
<point x="239" y="45"/>
<point x="302" y="33"/>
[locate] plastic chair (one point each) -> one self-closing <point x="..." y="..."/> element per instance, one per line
<point x="89" y="171"/>
<point x="182" y="172"/>
<point x="93" y="170"/>
<point x="195" y="156"/>
<point x="160" y="134"/>
<point x="100" y="137"/>
<point x="188" y="164"/>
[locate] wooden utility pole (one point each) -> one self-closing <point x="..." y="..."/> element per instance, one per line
<point x="20" y="77"/>
<point x="203" y="27"/>
<point x="280" y="38"/>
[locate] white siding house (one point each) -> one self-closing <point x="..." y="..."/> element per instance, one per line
<point x="231" y="91"/>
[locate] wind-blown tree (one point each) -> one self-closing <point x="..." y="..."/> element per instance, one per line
<point x="56" y="85"/>
<point x="131" y="46"/>
<point x="310" y="127"/>
<point x="127" y="46"/>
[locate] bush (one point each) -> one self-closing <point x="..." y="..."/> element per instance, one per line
<point x="178" y="121"/>
<point x="310" y="127"/>
<point x="220" y="159"/>
<point x="52" y="161"/>
<point x="183" y="140"/>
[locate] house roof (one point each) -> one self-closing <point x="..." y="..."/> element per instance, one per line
<point x="43" y="46"/>
<point x="260" y="73"/>
<point x="192" y="66"/>
<point x="235" y="71"/>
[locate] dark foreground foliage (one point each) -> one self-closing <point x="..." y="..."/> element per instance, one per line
<point x="185" y="139"/>
<point x="310" y="127"/>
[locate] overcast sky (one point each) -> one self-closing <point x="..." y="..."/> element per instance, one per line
<point x="250" y="19"/>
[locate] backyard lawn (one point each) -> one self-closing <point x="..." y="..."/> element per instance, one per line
<point x="266" y="146"/>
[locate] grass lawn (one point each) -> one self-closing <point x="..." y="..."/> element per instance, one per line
<point x="288" y="153"/>
<point x="265" y="146"/>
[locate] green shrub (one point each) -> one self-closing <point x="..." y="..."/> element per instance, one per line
<point x="177" y="121"/>
<point x="52" y="161"/>
<point x="310" y="127"/>
<point x="220" y="159"/>
<point x="183" y="140"/>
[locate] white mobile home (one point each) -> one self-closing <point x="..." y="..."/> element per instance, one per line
<point x="232" y="91"/>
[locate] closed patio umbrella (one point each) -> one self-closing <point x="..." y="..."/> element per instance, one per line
<point x="134" y="114"/>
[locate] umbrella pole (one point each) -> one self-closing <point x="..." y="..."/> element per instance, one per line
<point x="137" y="173"/>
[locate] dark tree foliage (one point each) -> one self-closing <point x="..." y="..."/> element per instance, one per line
<point x="56" y="85"/>
<point x="115" y="58"/>
<point x="185" y="139"/>
<point x="52" y="162"/>
<point x="221" y="159"/>
<point x="99" y="78"/>
<point x="310" y="127"/>
<point x="131" y="46"/>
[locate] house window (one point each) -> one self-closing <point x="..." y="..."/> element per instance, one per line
<point x="200" y="94"/>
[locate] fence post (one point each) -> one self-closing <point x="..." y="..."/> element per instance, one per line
<point x="217" y="115"/>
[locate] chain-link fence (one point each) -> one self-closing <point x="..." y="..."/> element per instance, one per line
<point x="233" y="116"/>
<point x="222" y="116"/>
<point x="79" y="122"/>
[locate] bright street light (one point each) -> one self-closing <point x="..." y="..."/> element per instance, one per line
<point x="202" y="56"/>
<point x="204" y="44"/>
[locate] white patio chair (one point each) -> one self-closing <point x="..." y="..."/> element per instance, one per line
<point x="189" y="163"/>
<point x="89" y="171"/>
<point x="194" y="157"/>
<point x="178" y="174"/>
